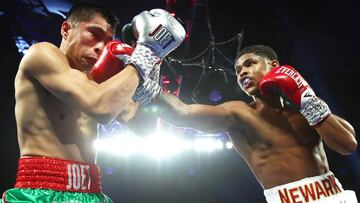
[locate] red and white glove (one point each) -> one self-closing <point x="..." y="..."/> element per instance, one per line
<point x="111" y="61"/>
<point x="289" y="83"/>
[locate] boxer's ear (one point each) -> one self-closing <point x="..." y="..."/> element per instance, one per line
<point x="274" y="63"/>
<point x="270" y="64"/>
<point x="65" y="29"/>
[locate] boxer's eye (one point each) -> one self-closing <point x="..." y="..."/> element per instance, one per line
<point x="98" y="33"/>
<point x="238" y="70"/>
<point x="249" y="63"/>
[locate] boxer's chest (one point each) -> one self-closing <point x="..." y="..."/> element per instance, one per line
<point x="272" y="128"/>
<point x="73" y="126"/>
<point x="87" y="127"/>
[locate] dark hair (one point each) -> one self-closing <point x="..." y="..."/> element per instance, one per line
<point x="260" y="50"/>
<point x="84" y="11"/>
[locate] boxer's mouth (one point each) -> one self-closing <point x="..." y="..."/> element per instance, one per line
<point x="90" y="60"/>
<point x="245" y="82"/>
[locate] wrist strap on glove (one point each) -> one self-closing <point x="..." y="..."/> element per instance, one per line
<point x="148" y="91"/>
<point x="144" y="59"/>
<point x="315" y="110"/>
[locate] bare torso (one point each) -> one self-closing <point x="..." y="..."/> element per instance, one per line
<point x="48" y="126"/>
<point x="278" y="145"/>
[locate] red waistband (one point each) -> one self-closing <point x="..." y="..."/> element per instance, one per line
<point x="58" y="174"/>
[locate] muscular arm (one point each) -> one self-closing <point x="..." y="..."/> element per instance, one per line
<point x="338" y="134"/>
<point x="102" y="102"/>
<point x="206" y="118"/>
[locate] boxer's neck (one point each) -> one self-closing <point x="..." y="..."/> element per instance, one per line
<point x="275" y="102"/>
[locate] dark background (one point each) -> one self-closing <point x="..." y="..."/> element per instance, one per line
<point x="319" y="38"/>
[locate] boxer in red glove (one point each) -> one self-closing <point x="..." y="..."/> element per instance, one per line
<point x="58" y="105"/>
<point x="282" y="145"/>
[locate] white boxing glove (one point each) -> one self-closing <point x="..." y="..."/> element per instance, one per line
<point x="157" y="33"/>
<point x="158" y="30"/>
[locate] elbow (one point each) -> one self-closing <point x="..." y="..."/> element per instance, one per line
<point x="352" y="146"/>
<point x="104" y="119"/>
<point x="349" y="148"/>
<point x="104" y="111"/>
<point x="104" y="114"/>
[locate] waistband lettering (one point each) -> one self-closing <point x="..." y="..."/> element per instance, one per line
<point x="78" y="177"/>
<point x="310" y="192"/>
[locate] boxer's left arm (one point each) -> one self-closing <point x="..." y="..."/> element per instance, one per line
<point x="207" y="118"/>
<point x="336" y="132"/>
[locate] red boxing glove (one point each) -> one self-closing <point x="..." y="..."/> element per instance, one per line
<point x="288" y="82"/>
<point x="285" y="80"/>
<point x="111" y="61"/>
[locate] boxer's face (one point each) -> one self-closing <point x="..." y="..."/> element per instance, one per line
<point x="250" y="69"/>
<point x="85" y="41"/>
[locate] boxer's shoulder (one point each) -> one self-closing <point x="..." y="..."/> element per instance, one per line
<point x="42" y="55"/>
<point x="41" y="47"/>
<point x="232" y="104"/>
<point x="238" y="109"/>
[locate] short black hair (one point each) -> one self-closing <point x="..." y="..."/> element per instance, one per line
<point x="260" y="50"/>
<point x="84" y="11"/>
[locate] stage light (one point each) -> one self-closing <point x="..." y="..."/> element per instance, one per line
<point x="154" y="109"/>
<point x="189" y="145"/>
<point x="171" y="84"/>
<point x="207" y="144"/>
<point x="229" y="145"/>
<point x="163" y="145"/>
<point x="22" y="44"/>
<point x="124" y="145"/>
<point x="98" y="144"/>
<point x="215" y="96"/>
<point x="109" y="170"/>
<point x="219" y="144"/>
<point x="58" y="7"/>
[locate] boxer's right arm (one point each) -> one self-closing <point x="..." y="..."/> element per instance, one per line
<point x="45" y="63"/>
<point x="336" y="132"/>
